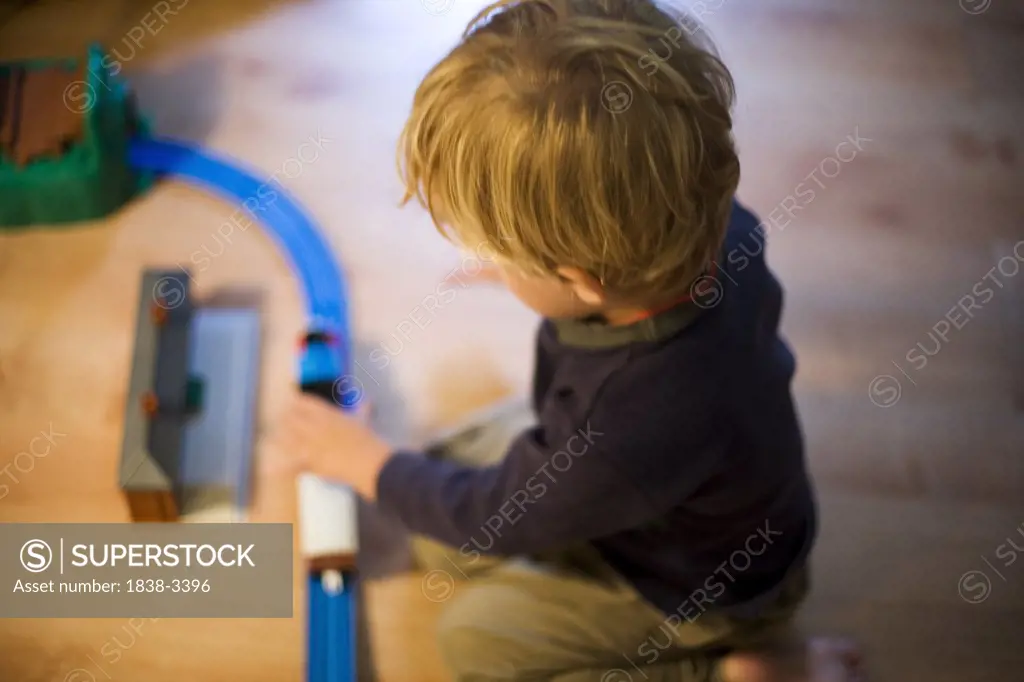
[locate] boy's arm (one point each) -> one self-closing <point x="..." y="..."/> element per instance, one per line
<point x="554" y="489"/>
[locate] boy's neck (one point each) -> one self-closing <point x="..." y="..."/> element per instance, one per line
<point x="623" y="325"/>
<point x="627" y="315"/>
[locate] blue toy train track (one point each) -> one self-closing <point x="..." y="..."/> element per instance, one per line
<point x="331" y="631"/>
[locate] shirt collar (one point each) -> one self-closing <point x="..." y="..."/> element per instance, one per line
<point x="706" y="292"/>
<point x="596" y="333"/>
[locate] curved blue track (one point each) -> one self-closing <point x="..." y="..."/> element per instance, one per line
<point x="268" y="203"/>
<point x="331" y="627"/>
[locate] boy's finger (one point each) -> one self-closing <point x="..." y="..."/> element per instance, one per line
<point x="278" y="458"/>
<point x="282" y="440"/>
<point x="316" y="405"/>
<point x="307" y="407"/>
<point x="303" y="402"/>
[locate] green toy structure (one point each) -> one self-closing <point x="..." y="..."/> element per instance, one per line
<point x="89" y="178"/>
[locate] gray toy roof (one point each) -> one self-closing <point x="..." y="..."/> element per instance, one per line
<point x="150" y="448"/>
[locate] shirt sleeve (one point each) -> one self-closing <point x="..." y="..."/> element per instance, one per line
<point x="621" y="468"/>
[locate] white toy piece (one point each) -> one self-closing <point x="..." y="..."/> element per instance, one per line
<point x="327" y="519"/>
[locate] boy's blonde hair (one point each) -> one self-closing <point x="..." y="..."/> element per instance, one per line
<point x="587" y="133"/>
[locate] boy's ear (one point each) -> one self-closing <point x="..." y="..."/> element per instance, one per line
<point x="586" y="287"/>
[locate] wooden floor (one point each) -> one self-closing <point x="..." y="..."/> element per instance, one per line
<point x="918" y="491"/>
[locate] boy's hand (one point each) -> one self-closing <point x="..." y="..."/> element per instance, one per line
<point x="321" y="439"/>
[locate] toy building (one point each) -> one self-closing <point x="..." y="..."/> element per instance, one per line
<point x="189" y="414"/>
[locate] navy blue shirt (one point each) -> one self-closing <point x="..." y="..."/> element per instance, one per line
<point x="671" y="445"/>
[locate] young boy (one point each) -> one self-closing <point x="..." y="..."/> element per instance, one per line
<point x="652" y="500"/>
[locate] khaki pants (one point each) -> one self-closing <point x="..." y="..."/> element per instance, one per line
<point x="570" y="617"/>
